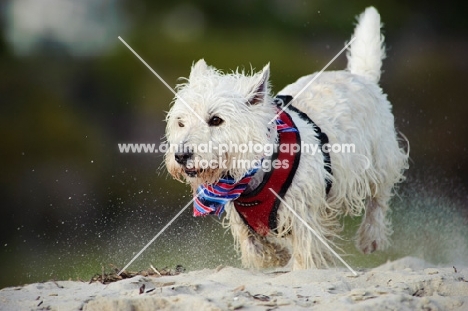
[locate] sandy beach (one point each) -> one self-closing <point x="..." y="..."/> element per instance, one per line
<point x="405" y="284"/>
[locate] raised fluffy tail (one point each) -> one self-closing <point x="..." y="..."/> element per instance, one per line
<point x="367" y="51"/>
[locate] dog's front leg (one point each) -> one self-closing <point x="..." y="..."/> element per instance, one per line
<point x="256" y="251"/>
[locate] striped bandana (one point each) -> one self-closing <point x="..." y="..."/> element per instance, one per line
<point x="212" y="199"/>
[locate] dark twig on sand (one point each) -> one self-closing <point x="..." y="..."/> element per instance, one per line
<point x="106" y="278"/>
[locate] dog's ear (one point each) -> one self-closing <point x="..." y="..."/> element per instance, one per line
<point x="198" y="68"/>
<point x="260" y="88"/>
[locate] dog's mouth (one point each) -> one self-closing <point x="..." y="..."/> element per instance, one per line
<point x="194" y="172"/>
<point x="202" y="174"/>
<point x="191" y="172"/>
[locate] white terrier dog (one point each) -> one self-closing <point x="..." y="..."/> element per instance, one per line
<point x="231" y="115"/>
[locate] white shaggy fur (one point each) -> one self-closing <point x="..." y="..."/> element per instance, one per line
<point x="350" y="108"/>
<point x="367" y="51"/>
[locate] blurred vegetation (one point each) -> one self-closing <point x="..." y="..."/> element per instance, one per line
<point x="71" y="202"/>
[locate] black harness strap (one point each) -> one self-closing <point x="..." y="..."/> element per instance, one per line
<point x="283" y="100"/>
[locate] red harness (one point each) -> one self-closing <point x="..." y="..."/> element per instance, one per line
<point x="259" y="208"/>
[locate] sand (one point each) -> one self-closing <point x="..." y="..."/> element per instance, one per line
<point x="405" y="284"/>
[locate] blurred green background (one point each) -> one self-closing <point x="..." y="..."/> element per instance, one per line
<point x="70" y="91"/>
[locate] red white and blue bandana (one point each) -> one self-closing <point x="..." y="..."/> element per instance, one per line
<point x="212" y="199"/>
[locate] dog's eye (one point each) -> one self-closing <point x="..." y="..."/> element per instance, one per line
<point x="180" y="124"/>
<point x="215" y="121"/>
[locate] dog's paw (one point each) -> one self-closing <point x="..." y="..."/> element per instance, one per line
<point x="369" y="249"/>
<point x="258" y="252"/>
<point x="372" y="238"/>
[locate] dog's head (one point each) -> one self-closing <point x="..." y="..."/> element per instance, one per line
<point x="214" y="119"/>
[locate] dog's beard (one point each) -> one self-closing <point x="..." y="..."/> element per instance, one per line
<point x="193" y="175"/>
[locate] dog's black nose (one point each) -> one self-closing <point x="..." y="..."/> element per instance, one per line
<point x="183" y="157"/>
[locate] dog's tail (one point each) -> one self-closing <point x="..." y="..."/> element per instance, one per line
<point x="367" y="50"/>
